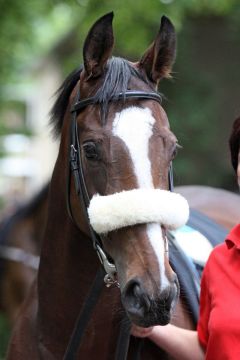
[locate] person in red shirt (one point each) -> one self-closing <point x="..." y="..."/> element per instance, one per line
<point x="218" y="329"/>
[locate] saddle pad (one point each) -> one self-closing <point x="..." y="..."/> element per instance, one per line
<point x="193" y="243"/>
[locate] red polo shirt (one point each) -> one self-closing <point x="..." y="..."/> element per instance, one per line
<point x="219" y="321"/>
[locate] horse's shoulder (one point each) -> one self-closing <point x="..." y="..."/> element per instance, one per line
<point x="24" y="340"/>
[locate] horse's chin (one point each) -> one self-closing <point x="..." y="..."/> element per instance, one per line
<point x="151" y="320"/>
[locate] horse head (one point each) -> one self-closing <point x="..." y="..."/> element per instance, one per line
<point x="125" y="146"/>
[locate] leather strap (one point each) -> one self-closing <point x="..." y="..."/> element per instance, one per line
<point x="84" y="316"/>
<point x="123" y="339"/>
<point x="81" y="104"/>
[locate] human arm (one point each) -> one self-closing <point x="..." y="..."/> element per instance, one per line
<point x="182" y="344"/>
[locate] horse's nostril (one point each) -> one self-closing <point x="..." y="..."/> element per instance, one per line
<point x="133" y="294"/>
<point x="169" y="296"/>
<point x="136" y="295"/>
<point x="134" y="298"/>
<point x="136" y="289"/>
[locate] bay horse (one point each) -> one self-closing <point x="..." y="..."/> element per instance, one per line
<point x="117" y="120"/>
<point x="20" y="243"/>
<point x="220" y="205"/>
<point x="109" y="191"/>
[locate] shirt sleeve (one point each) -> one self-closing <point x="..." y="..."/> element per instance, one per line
<point x="205" y="306"/>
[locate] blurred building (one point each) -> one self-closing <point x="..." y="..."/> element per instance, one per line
<point x="28" y="157"/>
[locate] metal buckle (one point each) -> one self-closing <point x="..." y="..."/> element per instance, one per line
<point x="111" y="271"/>
<point x="73" y="158"/>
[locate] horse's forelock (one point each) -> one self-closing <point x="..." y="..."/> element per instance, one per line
<point x="117" y="76"/>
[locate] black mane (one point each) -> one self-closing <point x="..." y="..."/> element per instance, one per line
<point x="59" y="108"/>
<point x="117" y="76"/>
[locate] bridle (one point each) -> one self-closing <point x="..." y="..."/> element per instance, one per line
<point x="76" y="170"/>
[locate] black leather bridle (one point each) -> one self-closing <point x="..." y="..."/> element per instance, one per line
<point x="76" y="170"/>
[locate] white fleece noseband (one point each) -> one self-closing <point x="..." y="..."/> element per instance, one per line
<point x="138" y="206"/>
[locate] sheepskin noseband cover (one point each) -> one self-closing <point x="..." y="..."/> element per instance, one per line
<point x="138" y="206"/>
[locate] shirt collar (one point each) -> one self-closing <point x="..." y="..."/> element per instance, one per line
<point x="233" y="238"/>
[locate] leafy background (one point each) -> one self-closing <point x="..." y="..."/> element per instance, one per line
<point x="202" y="100"/>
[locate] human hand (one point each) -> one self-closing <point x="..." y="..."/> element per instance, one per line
<point x="141" y="331"/>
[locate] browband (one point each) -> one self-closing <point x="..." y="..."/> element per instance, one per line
<point x="81" y="104"/>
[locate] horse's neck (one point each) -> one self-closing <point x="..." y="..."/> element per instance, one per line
<point x="67" y="267"/>
<point x="39" y="222"/>
<point x="67" y="270"/>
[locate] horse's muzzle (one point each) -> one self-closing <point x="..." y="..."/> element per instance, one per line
<point x="145" y="310"/>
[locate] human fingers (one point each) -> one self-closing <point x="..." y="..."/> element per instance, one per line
<point x="140" y="331"/>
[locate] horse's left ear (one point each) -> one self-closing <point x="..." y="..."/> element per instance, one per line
<point x="158" y="59"/>
<point x="98" y="46"/>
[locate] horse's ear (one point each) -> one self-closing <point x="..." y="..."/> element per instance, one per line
<point x="98" y="46"/>
<point x="158" y="59"/>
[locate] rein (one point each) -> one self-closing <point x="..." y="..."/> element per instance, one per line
<point x="76" y="170"/>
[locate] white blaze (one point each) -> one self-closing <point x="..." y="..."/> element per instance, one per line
<point x="154" y="232"/>
<point x="134" y="126"/>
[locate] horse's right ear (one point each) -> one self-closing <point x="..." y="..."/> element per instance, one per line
<point x="98" y="46"/>
<point x="158" y="59"/>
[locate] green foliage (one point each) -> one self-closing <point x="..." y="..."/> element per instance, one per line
<point x="204" y="100"/>
<point x="30" y="30"/>
<point x="27" y="30"/>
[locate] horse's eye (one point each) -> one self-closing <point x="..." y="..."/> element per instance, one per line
<point x="91" y="150"/>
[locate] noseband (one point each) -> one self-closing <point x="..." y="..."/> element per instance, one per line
<point x="76" y="169"/>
